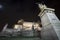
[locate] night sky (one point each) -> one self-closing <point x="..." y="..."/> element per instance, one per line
<point x="13" y="10"/>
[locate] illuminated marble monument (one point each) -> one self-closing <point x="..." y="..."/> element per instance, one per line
<point x="50" y="23"/>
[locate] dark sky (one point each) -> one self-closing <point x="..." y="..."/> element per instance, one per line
<point x="13" y="10"/>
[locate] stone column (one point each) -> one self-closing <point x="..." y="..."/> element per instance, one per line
<point x="50" y="23"/>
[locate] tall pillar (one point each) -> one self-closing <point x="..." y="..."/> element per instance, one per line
<point x="50" y="23"/>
